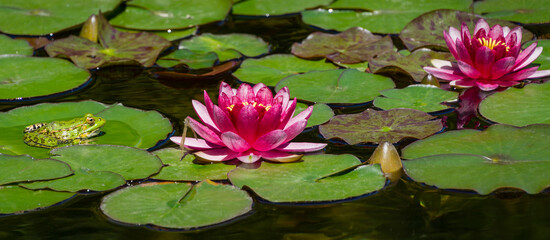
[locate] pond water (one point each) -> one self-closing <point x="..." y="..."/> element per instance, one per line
<point x="406" y="210"/>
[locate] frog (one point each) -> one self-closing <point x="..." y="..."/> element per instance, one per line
<point x="63" y="133"/>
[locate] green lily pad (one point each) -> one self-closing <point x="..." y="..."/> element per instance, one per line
<point x="381" y="17"/>
<point x="426" y="98"/>
<point x="124" y="126"/>
<point x="26" y="168"/>
<point x="363" y="67"/>
<point x="45" y="17"/>
<point x="321" y="113"/>
<point x="532" y="11"/>
<point x="100" y="167"/>
<point x="17" y="200"/>
<point x="271" y="69"/>
<point x="427" y="30"/>
<point x="171" y="14"/>
<point x="16" y="47"/>
<point x="501" y="156"/>
<point x="354" y="45"/>
<point x="194" y="60"/>
<point x="519" y="106"/>
<point x="315" y="179"/>
<point x="411" y="65"/>
<point x="381" y="126"/>
<point x="228" y="46"/>
<point x="268" y="8"/>
<point x="336" y="86"/>
<point x="177" y="169"/>
<point x="20" y="75"/>
<point x="544" y="57"/>
<point x="115" y="47"/>
<point x="170" y="34"/>
<point x="176" y="205"/>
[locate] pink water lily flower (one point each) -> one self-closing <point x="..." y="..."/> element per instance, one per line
<point x="248" y="124"/>
<point x="492" y="57"/>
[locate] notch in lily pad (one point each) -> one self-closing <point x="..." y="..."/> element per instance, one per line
<point x="373" y="126"/>
<point x="114" y="48"/>
<point x="227" y="46"/>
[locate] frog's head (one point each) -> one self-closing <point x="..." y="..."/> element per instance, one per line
<point x="92" y="126"/>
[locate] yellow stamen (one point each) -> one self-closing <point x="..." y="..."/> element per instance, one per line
<point x="230" y="108"/>
<point x="491" y="43"/>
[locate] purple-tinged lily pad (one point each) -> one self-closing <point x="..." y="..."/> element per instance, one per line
<point x="427" y="30"/>
<point x="502" y="156"/>
<point x="115" y="47"/>
<point x="354" y="45"/>
<point x="411" y="65"/>
<point x="381" y="126"/>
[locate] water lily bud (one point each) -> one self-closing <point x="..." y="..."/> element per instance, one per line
<point x="430" y="80"/>
<point x="386" y="155"/>
<point x="90" y="28"/>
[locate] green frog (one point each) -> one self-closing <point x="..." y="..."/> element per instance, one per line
<point x="63" y="133"/>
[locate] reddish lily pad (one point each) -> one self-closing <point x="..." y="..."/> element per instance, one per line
<point x="427" y="30"/>
<point x="354" y="45"/>
<point x="411" y="65"/>
<point x="502" y="156"/>
<point x="381" y="126"/>
<point x="115" y="47"/>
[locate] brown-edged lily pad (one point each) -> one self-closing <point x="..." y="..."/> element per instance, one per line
<point x="351" y="46"/>
<point x="114" y="47"/>
<point x="381" y="126"/>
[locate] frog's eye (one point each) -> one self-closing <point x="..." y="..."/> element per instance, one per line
<point x="90" y="121"/>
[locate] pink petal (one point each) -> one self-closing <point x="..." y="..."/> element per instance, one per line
<point x="502" y="66"/>
<point x="249" y="158"/>
<point x="195" y="143"/>
<point x="495" y="32"/>
<point x="247" y="123"/>
<point x="519" y="75"/>
<point x="468" y="70"/>
<point x="276" y="156"/>
<point x="287" y="114"/>
<point x="463" y="53"/>
<point x="234" y="142"/>
<point x="466" y="39"/>
<point x="523" y="55"/>
<point x="270" y="120"/>
<point x="270" y="140"/>
<point x="301" y="147"/>
<point x="304" y="115"/>
<point x="208" y="103"/>
<point x="282" y="97"/>
<point x="204" y="115"/>
<point x="444" y="74"/>
<point x="264" y="96"/>
<point x="466" y="83"/>
<point x="222" y="120"/>
<point x="293" y="130"/>
<point x="481" y="24"/>
<point x="224" y="101"/>
<point x="245" y="93"/>
<point x="204" y="132"/>
<point x="505" y="83"/>
<point x="505" y="31"/>
<point x="484" y="61"/>
<point x="217" y="155"/>
<point x="454" y="34"/>
<point x="225" y="88"/>
<point x="450" y="44"/>
<point x="526" y="61"/>
<point x="257" y="87"/>
<point x="539" y="74"/>
<point x="487" y="86"/>
<point x="514" y="37"/>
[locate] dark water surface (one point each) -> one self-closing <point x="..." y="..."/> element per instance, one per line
<point x="406" y="210"/>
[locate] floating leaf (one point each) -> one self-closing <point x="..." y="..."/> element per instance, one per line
<point x="532" y="11"/>
<point x="100" y="167"/>
<point x="315" y="179"/>
<point x="25" y="168"/>
<point x="381" y="126"/>
<point x="12" y="46"/>
<point x="124" y="126"/>
<point x="382" y="16"/>
<point x="228" y="46"/>
<point x="268" y="8"/>
<point x="427" y="30"/>
<point x="427" y="98"/>
<point x="177" y="169"/>
<point x="271" y="69"/>
<point x="321" y="113"/>
<point x="45" y="17"/>
<point x="114" y="47"/>
<point x="16" y="200"/>
<point x="544" y="57"/>
<point x="519" y="106"/>
<point x="176" y="205"/>
<point x="410" y="65"/>
<point x="191" y="59"/>
<point x="354" y="45"/>
<point x="170" y="34"/>
<point x="483" y="160"/>
<point x="171" y="14"/>
<point x="336" y="86"/>
<point x="20" y="76"/>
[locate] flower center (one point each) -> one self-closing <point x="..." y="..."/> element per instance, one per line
<point x="254" y="104"/>
<point x="491" y="43"/>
